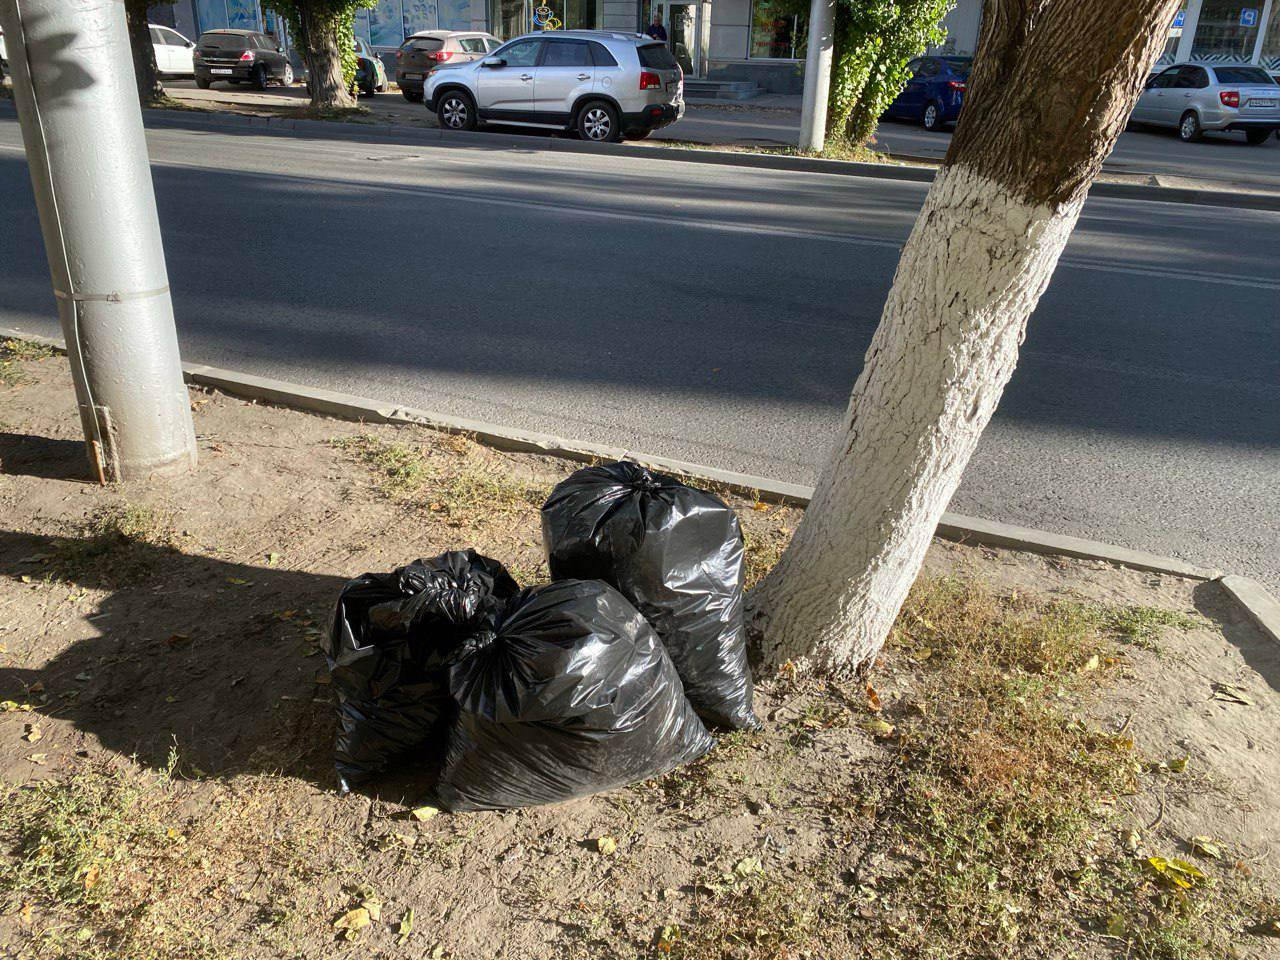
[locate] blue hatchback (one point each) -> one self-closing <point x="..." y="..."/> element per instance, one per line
<point x="934" y="93"/>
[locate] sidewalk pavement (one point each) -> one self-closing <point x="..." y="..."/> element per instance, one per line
<point x="1220" y="162"/>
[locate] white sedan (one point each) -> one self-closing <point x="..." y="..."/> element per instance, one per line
<point x="173" y="52"/>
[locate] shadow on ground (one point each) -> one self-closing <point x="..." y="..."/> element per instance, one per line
<point x="214" y="658"/>
<point x="1258" y="650"/>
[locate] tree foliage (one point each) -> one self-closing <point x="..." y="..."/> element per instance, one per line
<point x="874" y="40"/>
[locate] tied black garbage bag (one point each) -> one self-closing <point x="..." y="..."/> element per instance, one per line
<point x="393" y="636"/>
<point x="573" y="694"/>
<point x="676" y="553"/>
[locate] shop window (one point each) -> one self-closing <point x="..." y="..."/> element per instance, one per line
<point x="1170" y="52"/>
<point x="1227" y="31"/>
<point x="779" y="30"/>
<point x="508" y="18"/>
<point x="1271" y="40"/>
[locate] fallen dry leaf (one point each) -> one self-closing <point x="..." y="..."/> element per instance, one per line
<point x="91" y="876"/>
<point x="424" y="813"/>
<point x="31" y="733"/>
<point x="1206" y="847"/>
<point x="877" y="727"/>
<point x="352" y="922"/>
<point x="606" y="845"/>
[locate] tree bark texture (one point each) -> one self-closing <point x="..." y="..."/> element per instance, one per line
<point x="322" y="37"/>
<point x="145" y="70"/>
<point x="1051" y="88"/>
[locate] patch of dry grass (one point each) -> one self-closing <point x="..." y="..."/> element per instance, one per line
<point x="111" y="862"/>
<point x="454" y="478"/>
<point x="13" y="353"/>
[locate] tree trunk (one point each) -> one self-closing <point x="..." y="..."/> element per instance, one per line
<point x="1050" y="93"/>
<point x="144" y="55"/>
<point x="322" y="37"/>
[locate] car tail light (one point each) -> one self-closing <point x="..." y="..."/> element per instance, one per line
<point x="650" y="81"/>
<point x="1229" y="98"/>
<point x="955" y="84"/>
<point x="440" y="56"/>
<point x="247" y="55"/>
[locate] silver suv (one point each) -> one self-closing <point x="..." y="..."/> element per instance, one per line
<point x="603" y="84"/>
<point x="1197" y="97"/>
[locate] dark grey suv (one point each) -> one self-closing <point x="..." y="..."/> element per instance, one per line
<point x="240" y="56"/>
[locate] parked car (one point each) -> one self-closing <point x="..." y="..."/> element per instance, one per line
<point x="934" y="93"/>
<point x="240" y="56"/>
<point x="173" y="51"/>
<point x="1194" y="97"/>
<point x="4" y="57"/>
<point x="602" y="84"/>
<point x="371" y="75"/>
<point x="430" y="48"/>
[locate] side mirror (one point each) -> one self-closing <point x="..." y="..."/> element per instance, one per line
<point x="280" y="49"/>
<point x="494" y="62"/>
<point x="191" y="45"/>
<point x="1151" y="82"/>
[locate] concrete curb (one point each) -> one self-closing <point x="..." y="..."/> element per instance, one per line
<point x="174" y="119"/>
<point x="1257" y="604"/>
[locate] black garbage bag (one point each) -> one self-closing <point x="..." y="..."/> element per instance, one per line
<point x="392" y="638"/>
<point x="573" y="694"/>
<point x="676" y="553"/>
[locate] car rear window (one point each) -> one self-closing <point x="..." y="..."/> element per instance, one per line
<point x="1243" y="75"/>
<point x="224" y="41"/>
<point x="656" y="57"/>
<point x="425" y="44"/>
<point x="960" y="66"/>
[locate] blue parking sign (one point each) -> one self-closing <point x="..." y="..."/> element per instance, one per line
<point x="1249" y="17"/>
<point x="1180" y="18"/>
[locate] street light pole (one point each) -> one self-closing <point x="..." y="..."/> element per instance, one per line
<point x="817" y="75"/>
<point x="82" y="126"/>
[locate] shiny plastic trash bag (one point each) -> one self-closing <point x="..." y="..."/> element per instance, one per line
<point x="392" y="637"/>
<point x="573" y="694"/>
<point x="676" y="553"/>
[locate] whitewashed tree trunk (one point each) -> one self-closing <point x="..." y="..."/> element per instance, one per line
<point x="1050" y="93"/>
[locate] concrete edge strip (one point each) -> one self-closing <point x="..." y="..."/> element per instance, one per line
<point x="1258" y="605"/>
<point x="761" y="161"/>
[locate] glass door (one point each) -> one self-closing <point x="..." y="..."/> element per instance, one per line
<point x="680" y="20"/>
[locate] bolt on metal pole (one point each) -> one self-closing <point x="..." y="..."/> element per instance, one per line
<point x="817" y="75"/>
<point x="82" y="126"/>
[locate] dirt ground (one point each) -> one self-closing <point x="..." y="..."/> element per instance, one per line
<point x="166" y="730"/>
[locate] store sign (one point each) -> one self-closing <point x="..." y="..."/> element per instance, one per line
<point x="1249" y="17"/>
<point x="1179" y="19"/>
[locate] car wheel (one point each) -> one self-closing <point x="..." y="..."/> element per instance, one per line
<point x="1189" y="127"/>
<point x="1257" y="137"/>
<point x="202" y="83"/>
<point x="457" y="111"/>
<point x="636" y="134"/>
<point x="260" y="77"/>
<point x="598" y="122"/>
<point x="286" y="79"/>
<point x="932" y="118"/>
<point x="413" y="96"/>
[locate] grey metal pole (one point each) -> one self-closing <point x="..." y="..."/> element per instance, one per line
<point x="82" y="126"/>
<point x="817" y="75"/>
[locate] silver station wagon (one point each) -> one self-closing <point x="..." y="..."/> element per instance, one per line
<point x="1195" y="97"/>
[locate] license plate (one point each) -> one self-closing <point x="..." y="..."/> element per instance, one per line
<point x="413" y="76"/>
<point x="1257" y="102"/>
<point x="220" y="70"/>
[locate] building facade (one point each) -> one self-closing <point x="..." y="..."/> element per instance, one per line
<point x="760" y="41"/>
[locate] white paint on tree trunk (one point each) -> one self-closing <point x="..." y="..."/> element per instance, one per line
<point x="970" y="275"/>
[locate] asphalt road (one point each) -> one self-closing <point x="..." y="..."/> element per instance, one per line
<point x="1222" y="159"/>
<point x="714" y="314"/>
